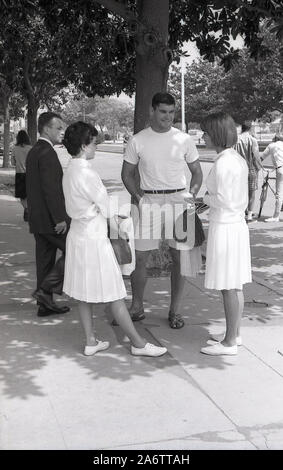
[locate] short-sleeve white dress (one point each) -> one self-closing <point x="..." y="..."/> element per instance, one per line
<point x="228" y="258"/>
<point x="92" y="273"/>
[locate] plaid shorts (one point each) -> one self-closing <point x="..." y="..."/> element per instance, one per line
<point x="253" y="179"/>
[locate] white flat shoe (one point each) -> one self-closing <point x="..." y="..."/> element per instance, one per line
<point x="219" y="337"/>
<point x="100" y="346"/>
<point x="219" y="350"/>
<point x="148" y="350"/>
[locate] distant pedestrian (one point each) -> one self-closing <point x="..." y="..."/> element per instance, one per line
<point x="19" y="156"/>
<point x="48" y="219"/>
<point x="92" y="273"/>
<point x="275" y="151"/>
<point x="247" y="147"/>
<point x="228" y="259"/>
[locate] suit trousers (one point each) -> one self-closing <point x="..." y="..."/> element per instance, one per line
<point x="49" y="272"/>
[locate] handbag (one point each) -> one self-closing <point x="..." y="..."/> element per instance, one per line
<point x="181" y="227"/>
<point x="121" y="248"/>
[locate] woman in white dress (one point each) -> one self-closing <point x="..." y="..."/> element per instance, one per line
<point x="228" y="260"/>
<point x="92" y="273"/>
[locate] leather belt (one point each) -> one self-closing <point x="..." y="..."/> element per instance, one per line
<point x="163" y="191"/>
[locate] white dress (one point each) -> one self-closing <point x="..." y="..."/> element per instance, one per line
<point x="92" y="273"/>
<point x="228" y="258"/>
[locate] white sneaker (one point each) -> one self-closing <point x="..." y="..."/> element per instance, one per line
<point x="148" y="350"/>
<point x="100" y="346"/>
<point x="219" y="337"/>
<point x="272" y="219"/>
<point x="218" y="349"/>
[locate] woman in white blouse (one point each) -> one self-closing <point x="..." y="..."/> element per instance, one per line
<point x="228" y="260"/>
<point x="92" y="273"/>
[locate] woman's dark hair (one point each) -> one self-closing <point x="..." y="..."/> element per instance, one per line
<point x="221" y="129"/>
<point x="78" y="134"/>
<point x="23" y="138"/>
<point x="162" y="98"/>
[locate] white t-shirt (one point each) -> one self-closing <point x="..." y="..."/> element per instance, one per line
<point x="275" y="150"/>
<point x="161" y="157"/>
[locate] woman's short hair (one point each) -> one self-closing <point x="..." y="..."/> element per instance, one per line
<point x="78" y="134"/>
<point x="22" y="138"/>
<point x="162" y="98"/>
<point x="221" y="129"/>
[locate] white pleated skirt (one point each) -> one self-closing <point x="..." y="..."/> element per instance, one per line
<point x="228" y="257"/>
<point x="92" y="273"/>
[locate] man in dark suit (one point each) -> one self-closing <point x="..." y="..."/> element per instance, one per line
<point x="48" y="219"/>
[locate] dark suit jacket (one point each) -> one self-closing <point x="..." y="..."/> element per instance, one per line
<point x="45" y="198"/>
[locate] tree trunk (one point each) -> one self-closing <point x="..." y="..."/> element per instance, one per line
<point x="6" y="143"/>
<point x="153" y="57"/>
<point x="152" y="63"/>
<point x="33" y="106"/>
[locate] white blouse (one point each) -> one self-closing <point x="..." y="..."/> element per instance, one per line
<point x="227" y="185"/>
<point x="85" y="194"/>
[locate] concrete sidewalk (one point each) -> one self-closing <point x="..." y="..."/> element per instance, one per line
<point x="52" y="397"/>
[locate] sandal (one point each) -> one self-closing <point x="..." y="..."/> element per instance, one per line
<point x="137" y="316"/>
<point x="175" y="321"/>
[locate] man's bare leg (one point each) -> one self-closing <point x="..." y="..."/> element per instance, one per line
<point x="177" y="289"/>
<point x="138" y="282"/>
<point x="251" y="204"/>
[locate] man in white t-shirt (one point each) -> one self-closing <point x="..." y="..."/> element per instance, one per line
<point x="275" y="151"/>
<point x="160" y="152"/>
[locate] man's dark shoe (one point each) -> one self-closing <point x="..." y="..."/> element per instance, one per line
<point x="45" y="299"/>
<point x="44" y="312"/>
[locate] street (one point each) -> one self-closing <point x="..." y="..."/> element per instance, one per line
<point x="52" y="397"/>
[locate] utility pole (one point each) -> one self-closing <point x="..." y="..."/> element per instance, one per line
<point x="183" y="69"/>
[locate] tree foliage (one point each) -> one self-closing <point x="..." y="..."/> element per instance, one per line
<point x="109" y="113"/>
<point x="29" y="54"/>
<point x="251" y="89"/>
<point x="110" y="46"/>
<point x="106" y="40"/>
